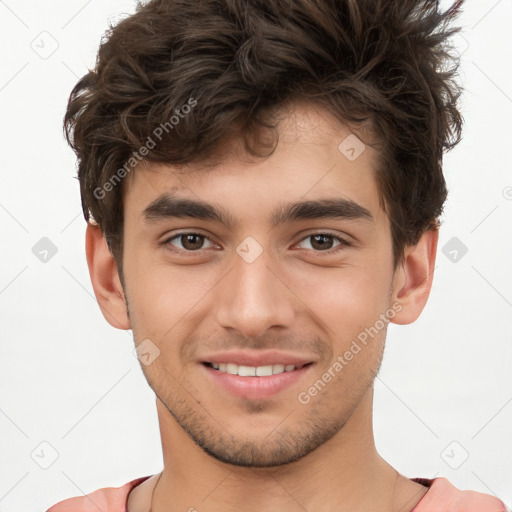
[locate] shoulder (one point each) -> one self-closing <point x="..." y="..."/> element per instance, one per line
<point x="442" y="495"/>
<point x="109" y="499"/>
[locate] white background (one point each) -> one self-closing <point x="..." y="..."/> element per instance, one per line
<point x="69" y="379"/>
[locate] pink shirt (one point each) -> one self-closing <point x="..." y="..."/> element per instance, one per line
<point x="442" y="496"/>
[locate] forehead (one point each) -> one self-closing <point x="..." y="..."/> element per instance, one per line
<point x="316" y="156"/>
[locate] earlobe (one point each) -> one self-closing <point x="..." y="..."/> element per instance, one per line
<point x="105" y="279"/>
<point x="413" y="279"/>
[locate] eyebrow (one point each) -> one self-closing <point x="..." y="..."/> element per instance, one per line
<point x="167" y="207"/>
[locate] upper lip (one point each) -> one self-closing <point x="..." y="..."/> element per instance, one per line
<point x="256" y="358"/>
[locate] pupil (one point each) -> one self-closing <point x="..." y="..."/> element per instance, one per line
<point x="322" y="245"/>
<point x="189" y="241"/>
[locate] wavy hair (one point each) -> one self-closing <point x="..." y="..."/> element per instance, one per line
<point x="385" y="64"/>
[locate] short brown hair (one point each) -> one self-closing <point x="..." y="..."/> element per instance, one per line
<point x="386" y="64"/>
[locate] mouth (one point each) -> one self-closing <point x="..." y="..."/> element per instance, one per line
<point x="261" y="382"/>
<point x="254" y="371"/>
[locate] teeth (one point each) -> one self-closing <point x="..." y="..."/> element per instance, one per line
<point x="264" y="371"/>
<point x="232" y="368"/>
<point x="246" y="371"/>
<point x="277" y="368"/>
<point x="253" y="371"/>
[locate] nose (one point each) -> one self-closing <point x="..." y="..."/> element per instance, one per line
<point x="253" y="297"/>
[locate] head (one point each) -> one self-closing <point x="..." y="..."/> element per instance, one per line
<point x="214" y="119"/>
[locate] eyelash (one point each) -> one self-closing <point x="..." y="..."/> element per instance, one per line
<point x="342" y="243"/>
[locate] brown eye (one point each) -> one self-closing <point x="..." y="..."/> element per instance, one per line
<point x="321" y="242"/>
<point x="187" y="242"/>
<point x="191" y="242"/>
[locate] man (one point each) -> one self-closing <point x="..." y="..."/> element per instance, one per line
<point x="262" y="181"/>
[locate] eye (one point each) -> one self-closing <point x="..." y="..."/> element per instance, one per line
<point x="323" y="242"/>
<point x="188" y="242"/>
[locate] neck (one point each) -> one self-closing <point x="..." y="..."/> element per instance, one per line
<point x="344" y="474"/>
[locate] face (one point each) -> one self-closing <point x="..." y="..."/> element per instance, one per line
<point x="285" y="264"/>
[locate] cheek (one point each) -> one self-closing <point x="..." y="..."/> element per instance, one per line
<point x="156" y="285"/>
<point x="166" y="302"/>
<point x="347" y="299"/>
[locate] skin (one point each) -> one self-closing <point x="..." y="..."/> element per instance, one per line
<point x="274" y="453"/>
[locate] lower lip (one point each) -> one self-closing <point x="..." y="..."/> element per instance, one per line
<point x="255" y="388"/>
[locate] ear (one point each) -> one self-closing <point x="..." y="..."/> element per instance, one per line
<point x="413" y="278"/>
<point x="105" y="278"/>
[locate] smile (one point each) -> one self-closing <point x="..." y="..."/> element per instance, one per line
<point x="254" y="371"/>
<point x="261" y="382"/>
